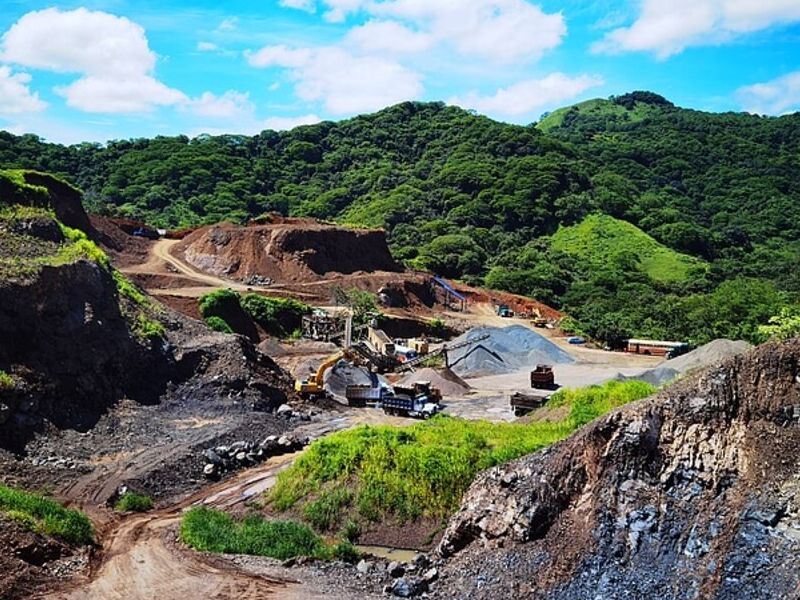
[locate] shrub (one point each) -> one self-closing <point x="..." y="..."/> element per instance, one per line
<point x="46" y="516"/>
<point x="324" y="512"/>
<point x="280" y="317"/>
<point x="218" y="324"/>
<point x="6" y="381"/>
<point x="215" y="303"/>
<point x="133" y="502"/>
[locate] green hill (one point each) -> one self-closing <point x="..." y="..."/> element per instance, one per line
<point x="619" y="112"/>
<point x="602" y="240"/>
<point x="478" y="200"/>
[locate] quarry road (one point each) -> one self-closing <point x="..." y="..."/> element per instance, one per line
<point x="162" y="261"/>
<point x="141" y="558"/>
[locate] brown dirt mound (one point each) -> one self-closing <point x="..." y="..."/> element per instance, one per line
<point x="287" y="252"/>
<point x="448" y="382"/>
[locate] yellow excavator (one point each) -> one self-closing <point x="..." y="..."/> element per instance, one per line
<point x="313" y="386"/>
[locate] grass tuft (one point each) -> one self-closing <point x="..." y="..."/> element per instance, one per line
<point x="133" y="502"/>
<point x="210" y="530"/>
<point x="45" y="516"/>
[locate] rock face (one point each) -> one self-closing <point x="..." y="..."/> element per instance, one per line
<point x="694" y="493"/>
<point x="296" y="251"/>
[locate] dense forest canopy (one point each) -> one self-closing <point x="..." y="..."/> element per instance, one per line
<point x="635" y="216"/>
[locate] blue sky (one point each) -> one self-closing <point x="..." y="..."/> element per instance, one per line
<point x="109" y="69"/>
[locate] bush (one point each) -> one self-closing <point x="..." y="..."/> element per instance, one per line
<point x="6" y="381"/>
<point x="133" y="502"/>
<point x="280" y="317"/>
<point x="46" y="516"/>
<point x="424" y="469"/>
<point x="217" y="302"/>
<point x="210" y="530"/>
<point x="218" y="324"/>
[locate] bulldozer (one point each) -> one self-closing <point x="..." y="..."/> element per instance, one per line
<point x="312" y="387"/>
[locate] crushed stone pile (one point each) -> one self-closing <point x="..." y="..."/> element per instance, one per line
<point x="343" y="374"/>
<point x="699" y="358"/>
<point x="448" y="382"/>
<point x="507" y="349"/>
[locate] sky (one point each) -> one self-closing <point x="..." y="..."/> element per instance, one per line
<point x="97" y="70"/>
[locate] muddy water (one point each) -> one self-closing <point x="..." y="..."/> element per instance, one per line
<point x="388" y="553"/>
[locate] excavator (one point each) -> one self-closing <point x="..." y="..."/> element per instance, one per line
<point x="313" y="386"/>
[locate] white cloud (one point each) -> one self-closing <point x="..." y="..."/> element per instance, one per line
<point x="389" y="36"/>
<point x="526" y="97"/>
<point x="667" y="28"/>
<point x="207" y="47"/>
<point x="228" y="24"/>
<point x="15" y="95"/>
<point x="774" y="97"/>
<point x="230" y="105"/>
<point x="344" y="83"/>
<point x="497" y="30"/>
<point x="285" y="123"/>
<point x="110" y="53"/>
<point x="135" y="94"/>
<point x="306" y="5"/>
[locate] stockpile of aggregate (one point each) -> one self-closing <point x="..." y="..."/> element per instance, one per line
<point x="445" y="380"/>
<point x="506" y="350"/>
<point x="343" y="374"/>
<point x="700" y="358"/>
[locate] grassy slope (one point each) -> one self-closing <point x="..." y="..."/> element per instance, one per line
<point x="596" y="107"/>
<point x="45" y="516"/>
<point x="600" y="239"/>
<point x="423" y="470"/>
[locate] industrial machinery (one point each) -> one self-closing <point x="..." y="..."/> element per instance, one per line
<point x="313" y="386"/>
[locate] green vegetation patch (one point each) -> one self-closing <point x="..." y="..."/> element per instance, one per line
<point x="210" y="530"/>
<point x="279" y="317"/>
<point x="424" y="469"/>
<point x="602" y="240"/>
<point x="6" y="381"/>
<point x="133" y="502"/>
<point x="45" y="516"/>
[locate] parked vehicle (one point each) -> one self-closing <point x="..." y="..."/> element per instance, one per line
<point x="419" y="400"/>
<point x="576" y="339"/>
<point x="543" y="378"/>
<point x="521" y="404"/>
<point x="504" y="311"/>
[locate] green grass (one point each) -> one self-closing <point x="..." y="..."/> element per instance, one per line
<point x="133" y="502"/>
<point x="210" y="530"/>
<point x="597" y="107"/>
<point x="45" y="516"/>
<point x="424" y="469"/>
<point x="601" y="239"/>
<point x="6" y="381"/>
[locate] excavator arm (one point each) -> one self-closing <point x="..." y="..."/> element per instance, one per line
<point x="314" y="385"/>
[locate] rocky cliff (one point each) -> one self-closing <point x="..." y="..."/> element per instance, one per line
<point x="694" y="493"/>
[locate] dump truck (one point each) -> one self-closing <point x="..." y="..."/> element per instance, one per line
<point x="521" y="404"/>
<point x="543" y="378"/>
<point x="419" y="400"/>
<point x="504" y="311"/>
<point x="539" y="322"/>
<point x="361" y="395"/>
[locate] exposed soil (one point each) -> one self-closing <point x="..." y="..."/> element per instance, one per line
<point x="286" y="252"/>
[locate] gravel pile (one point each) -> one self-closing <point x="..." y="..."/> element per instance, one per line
<point x="506" y="350"/>
<point x="343" y="374"/>
<point x="700" y="358"/>
<point x="448" y="382"/>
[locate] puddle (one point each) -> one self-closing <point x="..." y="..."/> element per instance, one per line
<point x="388" y="553"/>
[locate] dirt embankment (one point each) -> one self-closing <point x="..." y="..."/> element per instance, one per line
<point x="694" y="493"/>
<point x="287" y="252"/>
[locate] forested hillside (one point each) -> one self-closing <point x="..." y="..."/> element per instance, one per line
<point x="471" y="198"/>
